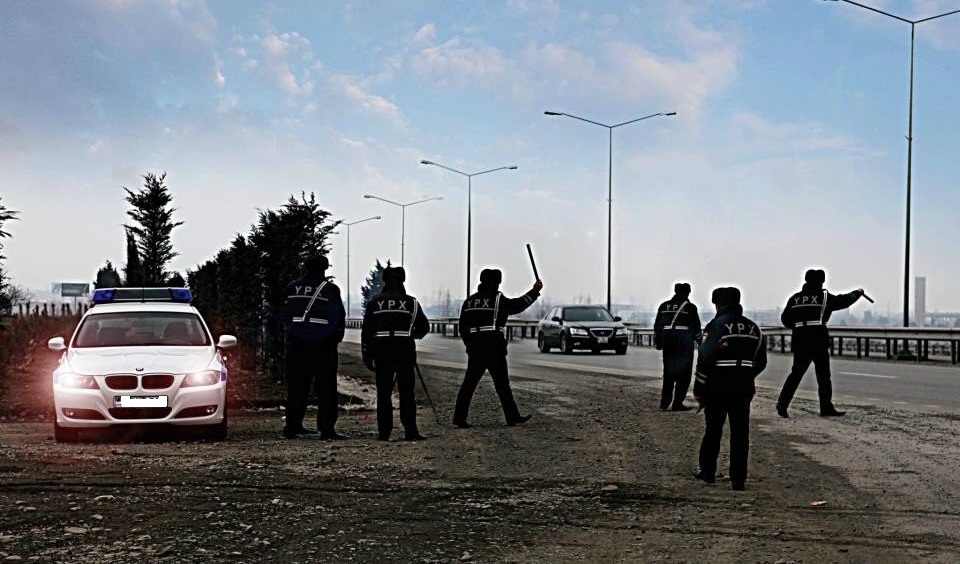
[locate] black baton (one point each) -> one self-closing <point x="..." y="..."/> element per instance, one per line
<point x="533" y="263"/>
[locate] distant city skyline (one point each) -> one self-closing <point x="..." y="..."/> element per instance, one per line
<point x="787" y="151"/>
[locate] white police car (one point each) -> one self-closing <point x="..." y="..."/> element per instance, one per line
<point x="140" y="356"/>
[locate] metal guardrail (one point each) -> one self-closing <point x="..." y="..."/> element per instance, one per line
<point x="930" y="343"/>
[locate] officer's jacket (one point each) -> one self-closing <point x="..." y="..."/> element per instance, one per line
<point x="392" y="318"/>
<point x="808" y="311"/>
<point x="313" y="312"/>
<point x="483" y="317"/>
<point x="733" y="353"/>
<point x="677" y="324"/>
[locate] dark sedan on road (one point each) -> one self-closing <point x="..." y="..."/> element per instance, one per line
<point x="589" y="327"/>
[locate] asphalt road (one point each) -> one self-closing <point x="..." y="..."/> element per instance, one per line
<point x="923" y="387"/>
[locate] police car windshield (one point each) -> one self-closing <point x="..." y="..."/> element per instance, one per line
<point x="586" y="314"/>
<point x="141" y="329"/>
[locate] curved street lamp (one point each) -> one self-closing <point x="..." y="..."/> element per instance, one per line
<point x="348" y="224"/>
<point x="906" y="248"/>
<point x="469" y="202"/>
<point x="403" y="213"/>
<point x="610" y="129"/>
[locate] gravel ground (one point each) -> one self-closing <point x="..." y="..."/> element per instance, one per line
<point x="598" y="475"/>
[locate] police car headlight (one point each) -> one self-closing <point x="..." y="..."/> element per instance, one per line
<point x="78" y="381"/>
<point x="578" y="332"/>
<point x="205" y="378"/>
<point x="622" y="331"/>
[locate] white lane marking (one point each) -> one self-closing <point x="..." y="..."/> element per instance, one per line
<point x="870" y="375"/>
<point x="582" y="368"/>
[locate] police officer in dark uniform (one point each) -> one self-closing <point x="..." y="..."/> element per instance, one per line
<point x="733" y="353"/>
<point x="676" y="331"/>
<point x="483" y="317"/>
<point x="807" y="313"/>
<point x="314" y="318"/>
<point x="392" y="320"/>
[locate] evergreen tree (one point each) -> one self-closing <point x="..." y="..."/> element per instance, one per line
<point x="152" y="224"/>
<point x="5" y="298"/>
<point x="107" y="277"/>
<point x="176" y="281"/>
<point x="133" y="270"/>
<point x="373" y="285"/>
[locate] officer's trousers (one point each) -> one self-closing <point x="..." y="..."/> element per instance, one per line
<point x="677" y="371"/>
<point x="478" y="363"/>
<point x="401" y="367"/>
<point x="317" y="363"/>
<point x="803" y="354"/>
<point x="716" y="411"/>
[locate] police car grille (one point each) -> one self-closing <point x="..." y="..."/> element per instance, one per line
<point x="121" y="382"/>
<point x="602" y="332"/>
<point x="139" y="412"/>
<point x="157" y="381"/>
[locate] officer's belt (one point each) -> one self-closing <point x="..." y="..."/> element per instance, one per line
<point x="808" y="323"/>
<point x="747" y="363"/>
<point x="485" y="329"/>
<point x="392" y="334"/>
<point x="678" y="327"/>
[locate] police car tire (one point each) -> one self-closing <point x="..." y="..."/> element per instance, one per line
<point x="565" y="347"/>
<point x="218" y="432"/>
<point x="64" y="434"/>
<point x="542" y="343"/>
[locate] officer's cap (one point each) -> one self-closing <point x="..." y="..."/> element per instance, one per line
<point x="393" y="275"/>
<point x="681" y="288"/>
<point x="726" y="296"/>
<point x="316" y="263"/>
<point x="815" y="276"/>
<point x="491" y="276"/>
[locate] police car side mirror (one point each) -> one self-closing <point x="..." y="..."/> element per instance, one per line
<point x="56" y="344"/>
<point x="556" y="319"/>
<point x="618" y="318"/>
<point x="227" y="342"/>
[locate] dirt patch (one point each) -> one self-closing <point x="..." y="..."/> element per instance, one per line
<point x="598" y="474"/>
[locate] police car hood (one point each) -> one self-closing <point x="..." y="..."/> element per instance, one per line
<point x="134" y="360"/>
<point x="594" y="324"/>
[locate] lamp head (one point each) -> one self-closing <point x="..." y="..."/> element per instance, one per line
<point x="425" y="161"/>
<point x="553" y="113"/>
<point x="670" y="114"/>
<point x="367" y="196"/>
<point x="511" y="168"/>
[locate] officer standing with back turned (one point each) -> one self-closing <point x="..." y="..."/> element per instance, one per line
<point x="676" y="331"/>
<point x="315" y="319"/>
<point x="807" y="313"/>
<point x="391" y="322"/>
<point x="733" y="353"/>
<point x="483" y="317"/>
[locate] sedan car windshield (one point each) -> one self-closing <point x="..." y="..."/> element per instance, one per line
<point x="586" y="314"/>
<point x="141" y="328"/>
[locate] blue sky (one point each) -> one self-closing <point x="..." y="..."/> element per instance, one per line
<point x="788" y="150"/>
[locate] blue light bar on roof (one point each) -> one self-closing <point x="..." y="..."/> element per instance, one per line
<point x="103" y="295"/>
<point x="115" y="295"/>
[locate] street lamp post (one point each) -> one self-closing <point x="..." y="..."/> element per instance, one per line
<point x="610" y="129"/>
<point x="403" y="215"/>
<point x="348" y="254"/>
<point x="469" y="202"/>
<point x="906" y="251"/>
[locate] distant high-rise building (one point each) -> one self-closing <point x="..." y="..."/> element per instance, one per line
<point x="920" y="295"/>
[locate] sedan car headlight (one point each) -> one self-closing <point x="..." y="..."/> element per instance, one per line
<point x="78" y="381"/>
<point x="205" y="378"/>
<point x="621" y="331"/>
<point x="577" y="331"/>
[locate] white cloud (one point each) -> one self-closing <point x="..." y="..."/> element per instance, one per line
<point x="353" y="90"/>
<point x="282" y="58"/>
<point x="426" y="34"/>
<point x="461" y="61"/>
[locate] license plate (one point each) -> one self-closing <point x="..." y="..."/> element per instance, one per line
<point x="602" y="340"/>
<point x="139" y="401"/>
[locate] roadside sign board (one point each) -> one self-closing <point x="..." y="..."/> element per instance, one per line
<point x="71" y="289"/>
